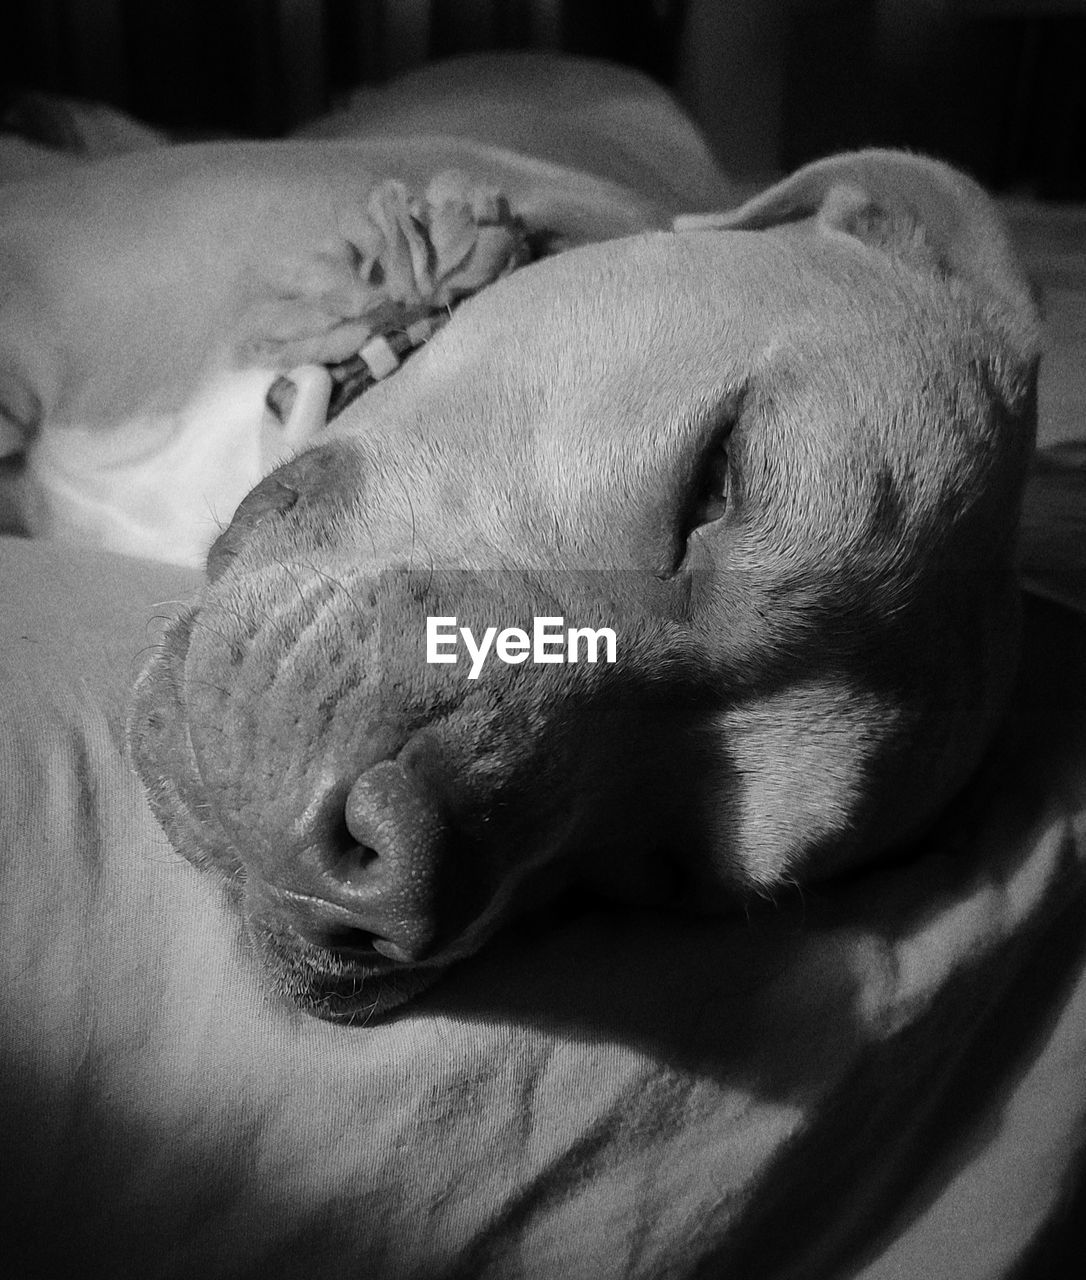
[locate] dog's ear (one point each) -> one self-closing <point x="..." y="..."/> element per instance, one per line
<point x="911" y="207"/>
<point x="402" y="257"/>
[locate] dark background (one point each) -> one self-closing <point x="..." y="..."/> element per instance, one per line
<point x="997" y="86"/>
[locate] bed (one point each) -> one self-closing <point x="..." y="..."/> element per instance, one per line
<point x="882" y="1077"/>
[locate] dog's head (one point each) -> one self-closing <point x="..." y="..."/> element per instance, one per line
<point x="778" y="454"/>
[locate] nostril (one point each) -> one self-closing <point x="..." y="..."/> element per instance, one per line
<point x="352" y="865"/>
<point x="341" y="854"/>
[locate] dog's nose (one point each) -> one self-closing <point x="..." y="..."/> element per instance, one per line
<point x="387" y="884"/>
<point x="404" y="830"/>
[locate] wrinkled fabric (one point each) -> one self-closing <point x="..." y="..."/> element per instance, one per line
<point x="867" y="1079"/>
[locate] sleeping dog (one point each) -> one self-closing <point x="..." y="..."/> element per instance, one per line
<point x="775" y="454"/>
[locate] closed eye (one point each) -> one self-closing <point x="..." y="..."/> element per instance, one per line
<point x="702" y="485"/>
<point x="710" y="497"/>
<point x="708" y="490"/>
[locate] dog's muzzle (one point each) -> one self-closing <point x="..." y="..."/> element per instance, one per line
<point x="376" y="816"/>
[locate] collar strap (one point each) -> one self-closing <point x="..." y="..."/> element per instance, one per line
<point x="381" y="356"/>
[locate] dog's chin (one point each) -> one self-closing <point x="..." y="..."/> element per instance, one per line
<point x="334" y="987"/>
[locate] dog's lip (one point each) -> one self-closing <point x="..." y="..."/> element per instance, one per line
<point x="349" y="941"/>
<point x="330" y="960"/>
<point x="344" y="940"/>
<point x="330" y="985"/>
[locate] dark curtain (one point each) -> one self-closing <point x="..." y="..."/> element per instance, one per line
<point x="263" y="66"/>
<point x="996" y="86"/>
